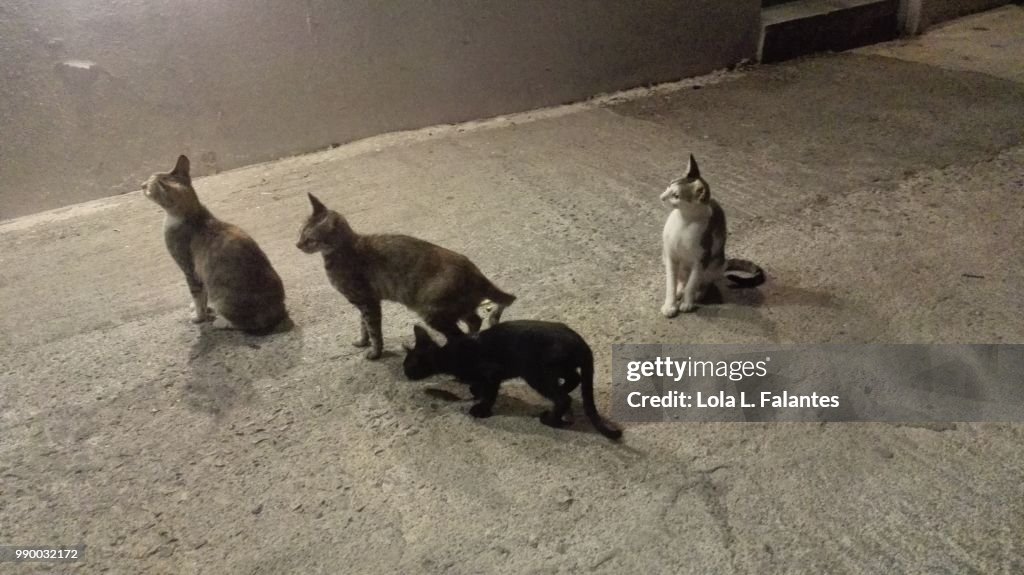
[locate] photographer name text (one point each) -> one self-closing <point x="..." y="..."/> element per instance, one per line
<point x="734" y="371"/>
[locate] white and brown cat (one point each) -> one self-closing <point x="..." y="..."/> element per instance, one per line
<point x="693" y="246"/>
<point x="224" y="268"/>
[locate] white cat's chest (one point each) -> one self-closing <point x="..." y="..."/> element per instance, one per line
<point x="682" y="238"/>
<point x="171" y="221"/>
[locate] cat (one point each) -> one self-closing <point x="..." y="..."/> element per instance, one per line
<point x="540" y="352"/>
<point x="440" y="285"/>
<point x="693" y="244"/>
<point x="224" y="268"/>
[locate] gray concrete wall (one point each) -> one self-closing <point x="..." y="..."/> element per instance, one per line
<point x="936" y="11"/>
<point x="94" y="96"/>
<point x="918" y="15"/>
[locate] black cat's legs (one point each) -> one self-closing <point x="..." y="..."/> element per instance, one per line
<point x="548" y="386"/>
<point x="371" y="324"/>
<point x="570" y="380"/>
<point x="476" y="390"/>
<point x="556" y="416"/>
<point x="486" y="393"/>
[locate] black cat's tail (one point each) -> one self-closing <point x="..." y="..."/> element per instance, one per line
<point x="587" y="386"/>
<point x="744" y="273"/>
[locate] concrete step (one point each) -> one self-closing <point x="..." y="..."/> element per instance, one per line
<point x="802" y="27"/>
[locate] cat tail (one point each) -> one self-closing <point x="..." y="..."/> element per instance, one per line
<point x="587" y="388"/>
<point x="501" y="300"/>
<point x="744" y="273"/>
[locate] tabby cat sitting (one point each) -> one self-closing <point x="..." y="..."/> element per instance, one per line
<point x="224" y="268"/>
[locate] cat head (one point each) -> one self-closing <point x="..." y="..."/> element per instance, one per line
<point x="689" y="190"/>
<point x="173" y="190"/>
<point x="421" y="361"/>
<point x="322" y="229"/>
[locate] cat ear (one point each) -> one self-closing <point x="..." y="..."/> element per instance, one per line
<point x="422" y="337"/>
<point x="692" y="171"/>
<point x="182" y="167"/>
<point x="318" y="206"/>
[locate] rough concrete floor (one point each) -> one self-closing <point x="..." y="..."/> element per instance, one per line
<point x="866" y="186"/>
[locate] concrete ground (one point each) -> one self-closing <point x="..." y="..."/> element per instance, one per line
<point x="867" y="185"/>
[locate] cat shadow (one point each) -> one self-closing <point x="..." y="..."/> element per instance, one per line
<point x="512" y="406"/>
<point x="747" y="297"/>
<point x="774" y="293"/>
<point x="385" y="354"/>
<point x="790" y="295"/>
<point x="225" y="364"/>
<point x="743" y="304"/>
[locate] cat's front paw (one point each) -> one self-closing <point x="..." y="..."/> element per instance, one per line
<point x="669" y="310"/>
<point x="361" y="342"/>
<point x="687" y="307"/>
<point x="374" y="354"/>
<point x="197" y="317"/>
<point x="480" y="411"/>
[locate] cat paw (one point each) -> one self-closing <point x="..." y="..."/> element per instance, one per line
<point x="687" y="307"/>
<point x="549" y="419"/>
<point x="669" y="310"/>
<point x="480" y="411"/>
<point x="201" y="318"/>
<point x="361" y="342"/>
<point x="373" y="354"/>
<point x="221" y="323"/>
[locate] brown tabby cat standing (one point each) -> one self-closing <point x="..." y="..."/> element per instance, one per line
<point x="440" y="285"/>
<point x="223" y="266"/>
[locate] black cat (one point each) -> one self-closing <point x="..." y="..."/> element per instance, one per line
<point x="540" y="352"/>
